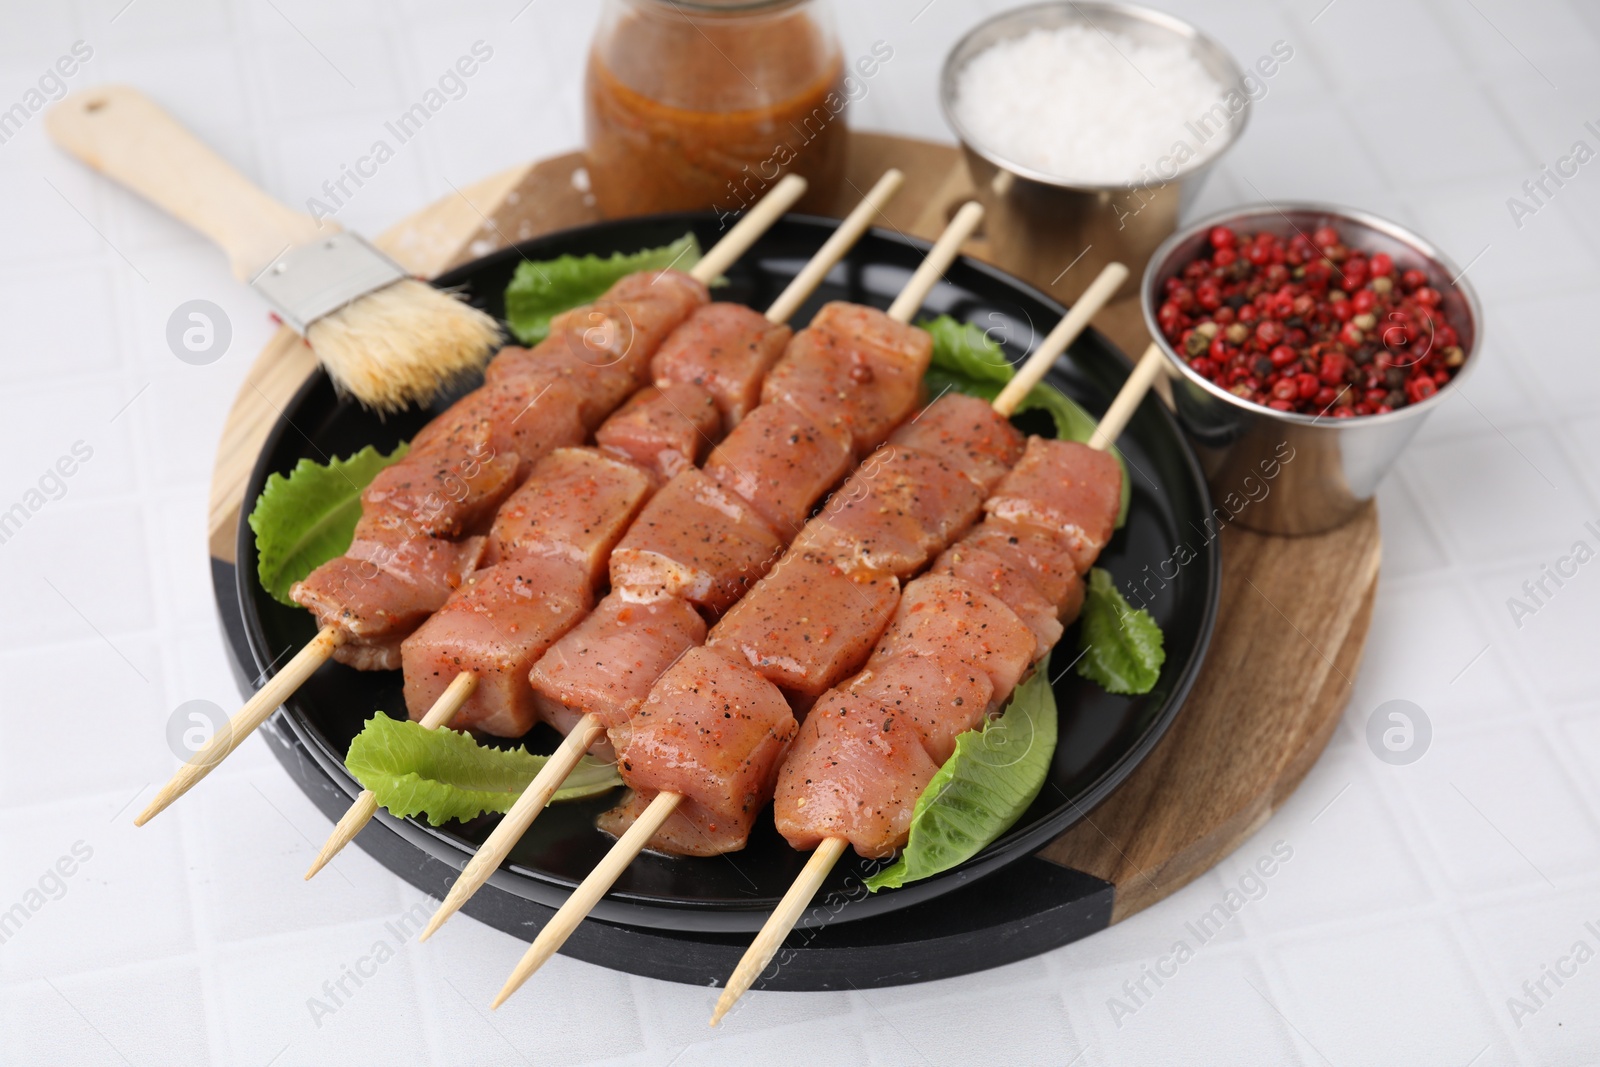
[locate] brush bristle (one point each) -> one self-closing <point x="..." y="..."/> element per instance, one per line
<point x="402" y="344"/>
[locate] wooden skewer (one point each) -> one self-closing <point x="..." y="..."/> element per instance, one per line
<point x="794" y="294"/>
<point x="822" y="861"/>
<point x="1128" y="397"/>
<point x="366" y="805"/>
<point x="1032" y="372"/>
<point x="783" y="918"/>
<point x="628" y="846"/>
<point x="587" y="895"/>
<point x="735" y="243"/>
<point x="834" y="248"/>
<point x="933" y="265"/>
<point x="244" y="722"/>
<point x="751" y="225"/>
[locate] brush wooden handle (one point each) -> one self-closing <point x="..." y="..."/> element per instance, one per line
<point x="124" y="135"/>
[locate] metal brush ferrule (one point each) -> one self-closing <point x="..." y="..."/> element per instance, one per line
<point x="312" y="280"/>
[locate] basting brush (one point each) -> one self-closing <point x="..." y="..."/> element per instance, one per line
<point x="384" y="337"/>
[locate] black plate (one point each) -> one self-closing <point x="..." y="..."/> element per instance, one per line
<point x="1102" y="737"/>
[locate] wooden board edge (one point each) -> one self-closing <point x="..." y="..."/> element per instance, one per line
<point x="1199" y="856"/>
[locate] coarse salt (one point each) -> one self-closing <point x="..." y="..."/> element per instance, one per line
<point x="1091" y="108"/>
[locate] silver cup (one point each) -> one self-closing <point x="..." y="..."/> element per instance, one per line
<point x="1286" y="473"/>
<point x="1038" y="223"/>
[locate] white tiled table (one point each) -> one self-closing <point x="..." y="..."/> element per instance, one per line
<point x="1418" y="900"/>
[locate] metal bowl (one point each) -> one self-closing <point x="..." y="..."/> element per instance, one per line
<point x="1282" y="472"/>
<point x="1058" y="233"/>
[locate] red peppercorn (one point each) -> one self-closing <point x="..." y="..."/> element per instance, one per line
<point x="1332" y="366"/>
<point x="1309" y="324"/>
<point x="1420" y="389"/>
<point x="1355" y="272"/>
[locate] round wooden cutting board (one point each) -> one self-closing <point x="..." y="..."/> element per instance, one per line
<point x="1293" y="618"/>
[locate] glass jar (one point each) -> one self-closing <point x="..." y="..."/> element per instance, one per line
<point x="704" y="105"/>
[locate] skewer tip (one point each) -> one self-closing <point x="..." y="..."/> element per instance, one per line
<point x="160" y="803"/>
<point x="504" y="995"/>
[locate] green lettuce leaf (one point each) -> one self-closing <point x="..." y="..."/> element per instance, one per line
<point x="444" y="774"/>
<point x="967" y="360"/>
<point x="962" y="350"/>
<point x="982" y="789"/>
<point x="1122" y="648"/>
<point x="308" y="518"/>
<point x="540" y="291"/>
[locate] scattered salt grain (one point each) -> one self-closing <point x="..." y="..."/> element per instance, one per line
<point x="1089" y="107"/>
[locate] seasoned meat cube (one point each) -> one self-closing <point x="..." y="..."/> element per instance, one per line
<point x="607" y="663"/>
<point x="853" y="368"/>
<point x="966" y="433"/>
<point x="524" y="417"/>
<point x="725" y="349"/>
<point x="1011" y="584"/>
<point x="562" y="371"/>
<point x="497" y="626"/>
<point x="906" y="345"/>
<point x="575" y="506"/>
<point x="1065" y="487"/>
<point x="810" y="622"/>
<point x="898" y="509"/>
<point x="941" y="612"/>
<point x="664" y="430"/>
<point x="447" y="491"/>
<point x="694" y="540"/>
<point x="855" y="771"/>
<point x="941" y="695"/>
<point x="604" y="348"/>
<point x="382" y="588"/>
<point x="1044" y="555"/>
<point x="781" y="462"/>
<point x="713" y="730"/>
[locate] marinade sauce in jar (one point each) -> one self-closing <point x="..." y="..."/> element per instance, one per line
<point x="704" y="105"/>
